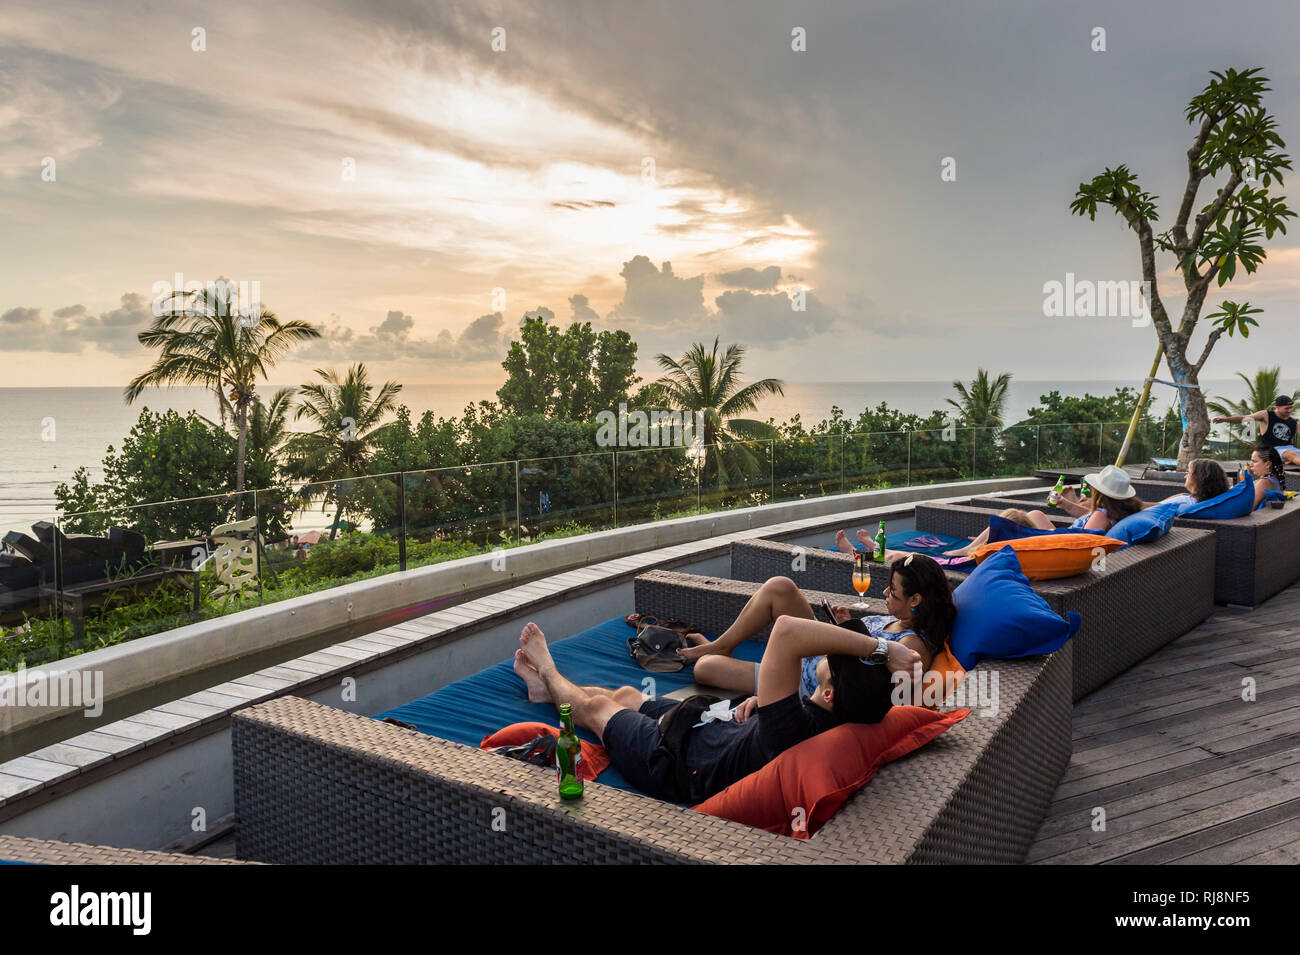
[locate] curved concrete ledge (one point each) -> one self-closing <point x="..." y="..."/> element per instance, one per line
<point x="130" y="667"/>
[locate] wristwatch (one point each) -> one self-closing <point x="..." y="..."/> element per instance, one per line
<point x="881" y="653"/>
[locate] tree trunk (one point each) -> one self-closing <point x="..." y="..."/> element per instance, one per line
<point x="334" y="525"/>
<point x="1191" y="403"/>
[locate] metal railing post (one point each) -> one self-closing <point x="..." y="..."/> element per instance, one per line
<point x="401" y="520"/>
<point x="519" y="528"/>
<point x="909" y="458"/>
<point x="1038" y="445"/>
<point x="613" y="463"/>
<point x="844" y="440"/>
<point x="771" y="463"/>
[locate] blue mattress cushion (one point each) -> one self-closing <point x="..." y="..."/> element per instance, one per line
<point x="476" y="706"/>
<point x="911" y="541"/>
<point x="1004" y="529"/>
<point x="1147" y="525"/>
<point x="1236" y="501"/>
<point x="999" y="615"/>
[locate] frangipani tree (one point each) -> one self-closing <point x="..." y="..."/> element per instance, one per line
<point x="1237" y="138"/>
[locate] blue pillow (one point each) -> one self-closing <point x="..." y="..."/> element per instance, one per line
<point x="1004" y="529"/>
<point x="1270" y="496"/>
<point x="1236" y="501"/>
<point x="1000" y="616"/>
<point x="1147" y="525"/>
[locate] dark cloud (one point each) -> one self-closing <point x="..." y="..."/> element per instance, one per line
<point x="72" y="328"/>
<point x="582" y="310"/>
<point x="749" y="317"/>
<point x="753" y="279"/>
<point x="483" y="339"/>
<point x="658" y="299"/>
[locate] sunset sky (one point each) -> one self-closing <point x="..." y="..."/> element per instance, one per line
<point x="670" y="168"/>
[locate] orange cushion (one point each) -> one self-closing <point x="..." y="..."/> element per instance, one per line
<point x="594" y="758"/>
<point x="1054" y="555"/>
<point x="797" y="792"/>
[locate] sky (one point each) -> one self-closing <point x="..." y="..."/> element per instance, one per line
<point x="414" y="178"/>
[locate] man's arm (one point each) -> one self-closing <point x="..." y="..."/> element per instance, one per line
<point x="1234" y="418"/>
<point x="794" y="638"/>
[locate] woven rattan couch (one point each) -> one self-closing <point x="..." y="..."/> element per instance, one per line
<point x="1255" y="556"/>
<point x="1147" y="595"/>
<point x="318" y="785"/>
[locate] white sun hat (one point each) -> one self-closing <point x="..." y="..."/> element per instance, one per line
<point x="1111" y="481"/>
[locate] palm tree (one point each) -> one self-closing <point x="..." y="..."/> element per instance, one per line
<point x="347" y="413"/>
<point x="268" y="431"/>
<point x="1260" y="393"/>
<point x="207" y="342"/>
<point x="704" y="381"/>
<point x="982" y="404"/>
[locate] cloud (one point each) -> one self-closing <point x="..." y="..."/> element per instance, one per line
<point x="71" y="328"/>
<point x="749" y="317"/>
<point x="483" y="339"/>
<point x="582" y="310"/>
<point x="658" y="299"/>
<point x="752" y="278"/>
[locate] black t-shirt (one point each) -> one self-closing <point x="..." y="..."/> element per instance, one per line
<point x="720" y="753"/>
<point x="1278" y="432"/>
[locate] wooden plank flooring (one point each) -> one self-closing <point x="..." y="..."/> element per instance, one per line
<point x="1185" y="770"/>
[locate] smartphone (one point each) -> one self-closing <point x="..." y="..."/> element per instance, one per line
<point x="826" y="609"/>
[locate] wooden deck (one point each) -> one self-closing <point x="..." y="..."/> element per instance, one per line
<point x="1185" y="770"/>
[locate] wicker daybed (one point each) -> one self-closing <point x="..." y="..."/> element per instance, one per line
<point x="322" y="786"/>
<point x="1147" y="596"/>
<point x="1255" y="556"/>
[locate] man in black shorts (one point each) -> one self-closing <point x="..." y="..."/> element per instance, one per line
<point x="853" y="686"/>
<point x="1277" y="428"/>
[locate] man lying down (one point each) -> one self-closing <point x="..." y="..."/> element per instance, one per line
<point x="852" y="685"/>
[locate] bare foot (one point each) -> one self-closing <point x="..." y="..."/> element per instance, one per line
<point x="701" y="647"/>
<point x="537" y="692"/>
<point x="842" y="542"/>
<point x="957" y="552"/>
<point x="866" y="540"/>
<point x="535" y="650"/>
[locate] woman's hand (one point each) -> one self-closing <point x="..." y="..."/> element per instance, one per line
<point x="840" y="614"/>
<point x="744" y="710"/>
<point x="1070" y="496"/>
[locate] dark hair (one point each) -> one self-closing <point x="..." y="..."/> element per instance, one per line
<point x="1282" y="401"/>
<point x="933" y="617"/>
<point x="1115" y="508"/>
<point x="1275" y="468"/>
<point x="1208" y="478"/>
<point x="860" y="692"/>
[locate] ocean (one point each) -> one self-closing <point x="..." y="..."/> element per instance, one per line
<point x="47" y="433"/>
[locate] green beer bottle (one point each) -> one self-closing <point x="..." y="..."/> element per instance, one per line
<point x="568" y="757"/>
<point x="878" y="555"/>
<point x="1084" y="490"/>
<point x="1054" y="496"/>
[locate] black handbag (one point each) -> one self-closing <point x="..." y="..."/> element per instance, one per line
<point x="655" y="649"/>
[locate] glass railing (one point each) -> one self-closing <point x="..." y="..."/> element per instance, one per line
<point x="99" y="578"/>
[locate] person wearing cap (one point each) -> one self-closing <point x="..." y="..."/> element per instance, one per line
<point x="1277" y="427"/>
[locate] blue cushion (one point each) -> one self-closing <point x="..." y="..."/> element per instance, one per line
<point x="1000" y="616"/>
<point x="1270" y="496"/>
<point x="1147" y="525"/>
<point x="1237" y="501"/>
<point x="1004" y="529"/>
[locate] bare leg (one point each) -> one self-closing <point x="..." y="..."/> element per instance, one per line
<point x="1041" y="521"/>
<point x="727" y="673"/>
<point x="867" y="541"/>
<point x="842" y="542"/>
<point x="591" y="706"/>
<point x="980" y="540"/>
<point x="777" y="596"/>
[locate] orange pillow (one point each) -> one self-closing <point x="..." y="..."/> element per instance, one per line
<point x="595" y="759"/>
<point x="796" y="793"/>
<point x="1053" y="555"/>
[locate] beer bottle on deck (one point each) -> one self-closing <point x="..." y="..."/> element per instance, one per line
<point x="568" y="756"/>
<point x="879" y="554"/>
